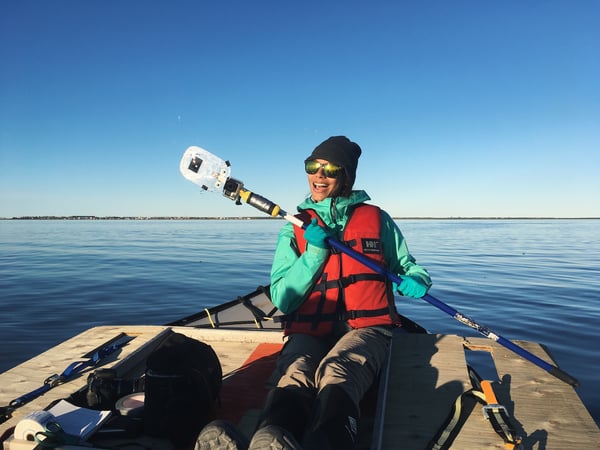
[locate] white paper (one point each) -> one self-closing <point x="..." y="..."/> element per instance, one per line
<point x="78" y="421"/>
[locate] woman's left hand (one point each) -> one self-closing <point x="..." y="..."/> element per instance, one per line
<point x="411" y="287"/>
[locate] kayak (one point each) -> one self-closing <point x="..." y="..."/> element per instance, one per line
<point x="255" y="311"/>
<point x="425" y="384"/>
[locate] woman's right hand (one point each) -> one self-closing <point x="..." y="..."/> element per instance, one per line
<point x="316" y="235"/>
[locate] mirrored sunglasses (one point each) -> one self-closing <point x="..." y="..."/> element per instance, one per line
<point x="330" y="170"/>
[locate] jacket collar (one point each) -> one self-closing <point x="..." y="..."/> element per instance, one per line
<point x="334" y="210"/>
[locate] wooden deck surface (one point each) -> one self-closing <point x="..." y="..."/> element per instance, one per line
<point x="427" y="373"/>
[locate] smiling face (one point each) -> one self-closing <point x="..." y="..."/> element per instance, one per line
<point x="321" y="186"/>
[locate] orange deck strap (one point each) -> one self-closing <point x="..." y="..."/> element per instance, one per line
<point x="498" y="417"/>
<point x="488" y="391"/>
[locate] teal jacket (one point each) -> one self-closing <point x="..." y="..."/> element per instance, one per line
<point x="293" y="276"/>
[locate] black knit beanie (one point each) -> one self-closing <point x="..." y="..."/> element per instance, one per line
<point x="339" y="150"/>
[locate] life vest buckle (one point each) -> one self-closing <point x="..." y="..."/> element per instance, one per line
<point x="347" y="281"/>
<point x="347" y="315"/>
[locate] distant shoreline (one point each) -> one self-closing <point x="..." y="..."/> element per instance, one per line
<point x="273" y="218"/>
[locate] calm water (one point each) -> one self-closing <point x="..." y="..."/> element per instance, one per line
<point x="535" y="280"/>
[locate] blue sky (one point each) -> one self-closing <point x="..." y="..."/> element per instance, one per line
<point x="462" y="108"/>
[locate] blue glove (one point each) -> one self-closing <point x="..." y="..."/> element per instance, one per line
<point x="316" y="235"/>
<point x="411" y="287"/>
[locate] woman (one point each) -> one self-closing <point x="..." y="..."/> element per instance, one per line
<point x="340" y="315"/>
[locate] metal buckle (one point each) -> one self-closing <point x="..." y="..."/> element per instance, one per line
<point x="53" y="380"/>
<point x="487" y="410"/>
<point x="508" y="434"/>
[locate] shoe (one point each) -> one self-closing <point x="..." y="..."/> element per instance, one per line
<point x="221" y="435"/>
<point x="273" y="437"/>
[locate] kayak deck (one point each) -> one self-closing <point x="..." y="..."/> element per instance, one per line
<point x="427" y="372"/>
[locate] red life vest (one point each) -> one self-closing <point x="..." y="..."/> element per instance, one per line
<point x="347" y="290"/>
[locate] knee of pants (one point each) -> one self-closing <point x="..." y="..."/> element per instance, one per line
<point x="355" y="362"/>
<point x="299" y="360"/>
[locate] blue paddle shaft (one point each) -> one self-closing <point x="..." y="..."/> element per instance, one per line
<point x="553" y="370"/>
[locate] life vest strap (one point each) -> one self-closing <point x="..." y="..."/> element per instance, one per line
<point x="340" y="316"/>
<point x="347" y="281"/>
<point x="357" y="314"/>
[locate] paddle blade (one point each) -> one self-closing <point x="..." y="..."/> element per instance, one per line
<point x="204" y="169"/>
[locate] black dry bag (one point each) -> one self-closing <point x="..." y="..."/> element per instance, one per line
<point x="182" y="384"/>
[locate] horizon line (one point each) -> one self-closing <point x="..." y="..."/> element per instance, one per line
<point x="93" y="217"/>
